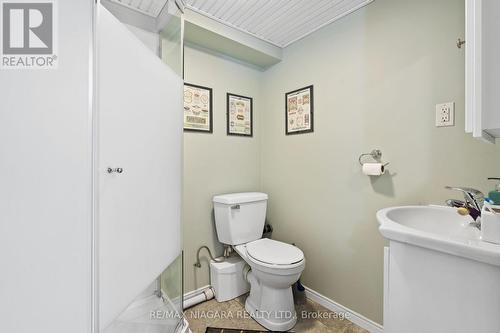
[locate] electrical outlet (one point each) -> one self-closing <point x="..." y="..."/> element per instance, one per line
<point x="445" y="114"/>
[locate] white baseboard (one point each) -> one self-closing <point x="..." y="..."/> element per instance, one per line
<point x="331" y="305"/>
<point x="354" y="317"/>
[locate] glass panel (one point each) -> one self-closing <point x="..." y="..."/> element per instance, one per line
<point x="171" y="40"/>
<point x="158" y="309"/>
<point x="171" y="284"/>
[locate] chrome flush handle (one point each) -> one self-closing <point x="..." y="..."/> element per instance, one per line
<point x="235" y="207"/>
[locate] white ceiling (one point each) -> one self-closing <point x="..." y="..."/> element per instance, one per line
<point x="279" y="22"/>
<point x="149" y="7"/>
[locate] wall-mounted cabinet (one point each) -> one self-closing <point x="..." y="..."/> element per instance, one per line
<point x="482" y="69"/>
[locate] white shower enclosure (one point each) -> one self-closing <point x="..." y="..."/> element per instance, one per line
<point x="90" y="181"/>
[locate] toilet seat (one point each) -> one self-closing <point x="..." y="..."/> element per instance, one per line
<point x="271" y="252"/>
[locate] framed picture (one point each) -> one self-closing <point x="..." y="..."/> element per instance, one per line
<point x="299" y="107"/>
<point x="239" y="115"/>
<point x="198" y="103"/>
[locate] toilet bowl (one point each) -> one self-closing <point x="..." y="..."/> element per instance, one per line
<point x="273" y="266"/>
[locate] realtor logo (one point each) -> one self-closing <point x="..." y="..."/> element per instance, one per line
<point x="28" y="34"/>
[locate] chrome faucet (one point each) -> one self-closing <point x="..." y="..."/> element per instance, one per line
<point x="472" y="204"/>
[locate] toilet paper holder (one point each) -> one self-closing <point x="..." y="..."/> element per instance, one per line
<point x="376" y="154"/>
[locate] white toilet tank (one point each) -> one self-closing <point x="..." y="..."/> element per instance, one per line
<point x="240" y="217"/>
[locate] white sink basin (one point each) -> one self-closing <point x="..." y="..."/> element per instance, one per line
<point x="438" y="228"/>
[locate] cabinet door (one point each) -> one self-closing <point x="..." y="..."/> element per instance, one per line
<point x="490" y="44"/>
<point x="482" y="69"/>
<point x="140" y="132"/>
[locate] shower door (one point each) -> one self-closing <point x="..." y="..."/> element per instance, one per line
<point x="139" y="178"/>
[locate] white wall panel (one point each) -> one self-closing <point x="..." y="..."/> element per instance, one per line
<point x="46" y="186"/>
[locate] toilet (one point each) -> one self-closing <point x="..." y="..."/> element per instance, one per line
<point x="272" y="266"/>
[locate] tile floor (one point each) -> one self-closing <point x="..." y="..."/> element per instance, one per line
<point x="232" y="315"/>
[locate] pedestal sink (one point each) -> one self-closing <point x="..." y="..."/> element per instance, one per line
<point x="438" y="274"/>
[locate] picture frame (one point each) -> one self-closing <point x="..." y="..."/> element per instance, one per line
<point x="299" y="111"/>
<point x="198" y="108"/>
<point x="239" y="115"/>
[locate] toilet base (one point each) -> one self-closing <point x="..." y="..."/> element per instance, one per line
<point x="272" y="320"/>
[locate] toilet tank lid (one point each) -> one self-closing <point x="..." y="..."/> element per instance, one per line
<point x="239" y="198"/>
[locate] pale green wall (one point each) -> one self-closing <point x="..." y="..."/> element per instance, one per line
<point x="377" y="75"/>
<point x="216" y="163"/>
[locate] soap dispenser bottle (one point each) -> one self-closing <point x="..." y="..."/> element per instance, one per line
<point x="495" y="194"/>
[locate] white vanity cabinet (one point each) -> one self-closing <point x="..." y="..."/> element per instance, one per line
<point x="439" y="276"/>
<point x="482" y="69"/>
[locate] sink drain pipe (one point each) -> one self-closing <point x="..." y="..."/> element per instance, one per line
<point x="199" y="297"/>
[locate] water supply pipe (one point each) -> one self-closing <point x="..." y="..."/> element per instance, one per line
<point x="227" y="253"/>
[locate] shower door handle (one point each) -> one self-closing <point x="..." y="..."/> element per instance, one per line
<point x="117" y="170"/>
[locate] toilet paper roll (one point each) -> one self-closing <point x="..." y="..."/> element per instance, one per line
<point x="373" y="169"/>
